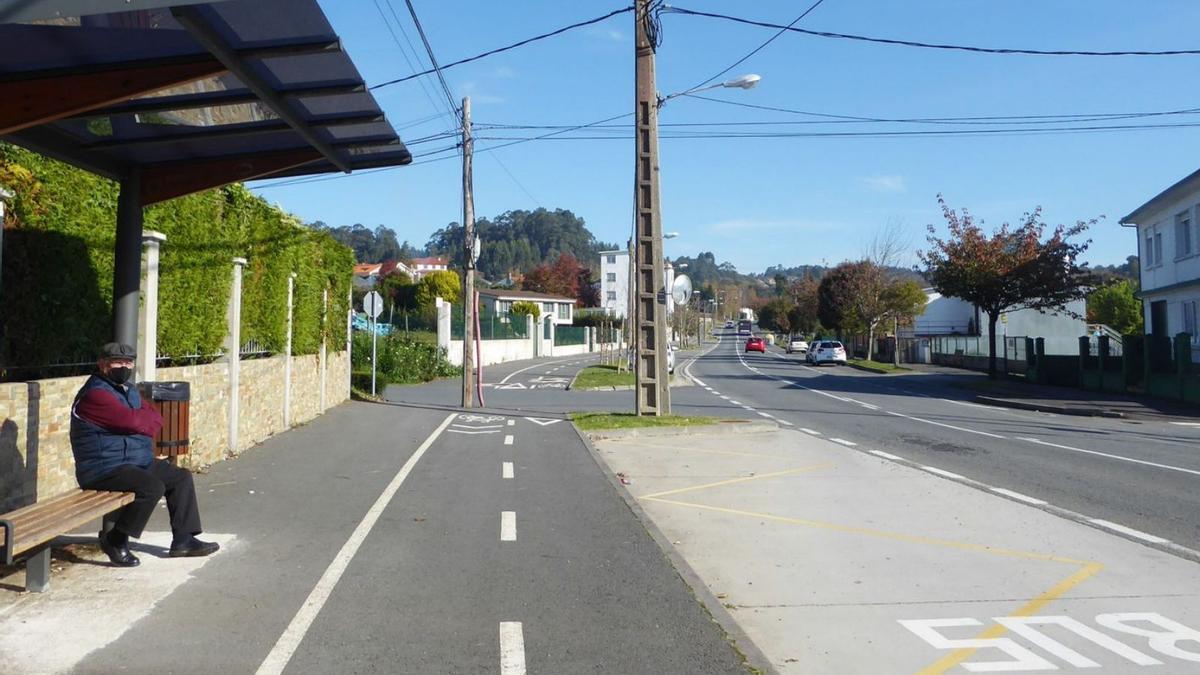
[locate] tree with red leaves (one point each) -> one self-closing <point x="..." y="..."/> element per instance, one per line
<point x="1011" y="269"/>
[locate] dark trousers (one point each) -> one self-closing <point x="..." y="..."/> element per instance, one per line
<point x="150" y="485"/>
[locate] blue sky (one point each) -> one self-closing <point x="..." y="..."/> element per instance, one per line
<point x="758" y="202"/>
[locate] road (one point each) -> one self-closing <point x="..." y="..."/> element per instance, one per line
<point x="1137" y="475"/>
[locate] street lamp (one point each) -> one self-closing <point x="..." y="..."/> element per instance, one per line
<point x="748" y="81"/>
<point x="670" y="235"/>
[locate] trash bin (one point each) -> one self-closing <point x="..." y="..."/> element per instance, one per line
<point x="171" y="400"/>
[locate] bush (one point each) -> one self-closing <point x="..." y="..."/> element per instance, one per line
<point x="401" y="360"/>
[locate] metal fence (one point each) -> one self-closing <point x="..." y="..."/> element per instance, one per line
<point x="492" y="326"/>
<point x="570" y="335"/>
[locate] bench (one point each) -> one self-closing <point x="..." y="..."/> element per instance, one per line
<point x="31" y="528"/>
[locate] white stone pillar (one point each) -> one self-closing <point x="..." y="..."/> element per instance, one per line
<point x="443" y="324"/>
<point x="324" y="342"/>
<point x="233" y="351"/>
<point x="349" y="338"/>
<point x="147" y="346"/>
<point x="287" y="363"/>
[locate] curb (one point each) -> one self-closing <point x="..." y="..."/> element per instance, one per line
<point x="721" y="428"/>
<point x="1042" y="407"/>
<point x="737" y="638"/>
<point x="867" y="369"/>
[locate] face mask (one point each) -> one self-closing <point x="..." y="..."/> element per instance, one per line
<point x="120" y="375"/>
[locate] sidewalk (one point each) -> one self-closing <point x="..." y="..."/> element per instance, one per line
<point x="836" y="560"/>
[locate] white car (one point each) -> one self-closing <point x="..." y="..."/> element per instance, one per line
<point x="671" y="359"/>
<point x="797" y="345"/>
<point x="827" y="351"/>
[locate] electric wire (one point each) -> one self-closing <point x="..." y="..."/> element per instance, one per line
<point x="759" y="48"/>
<point x="433" y="59"/>
<point x="404" y="53"/>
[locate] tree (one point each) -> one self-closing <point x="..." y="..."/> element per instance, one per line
<point x="1116" y="305"/>
<point x="803" y="314"/>
<point x="525" y="308"/>
<point x="775" y="316"/>
<point x="442" y="283"/>
<point x="903" y="299"/>
<point x="1011" y="269"/>
<point x="561" y="278"/>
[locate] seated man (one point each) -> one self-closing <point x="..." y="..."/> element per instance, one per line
<point x="111" y="430"/>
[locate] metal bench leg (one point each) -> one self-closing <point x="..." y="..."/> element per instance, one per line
<point x="37" y="572"/>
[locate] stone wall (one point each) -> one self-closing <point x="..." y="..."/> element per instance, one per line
<point x="35" y="447"/>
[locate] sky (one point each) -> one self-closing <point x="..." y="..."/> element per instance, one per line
<point x="758" y="202"/>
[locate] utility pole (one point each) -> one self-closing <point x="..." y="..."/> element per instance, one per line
<point x="653" y="392"/>
<point x="628" y="328"/>
<point x="468" y="357"/>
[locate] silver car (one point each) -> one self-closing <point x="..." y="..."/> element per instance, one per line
<point x="827" y="351"/>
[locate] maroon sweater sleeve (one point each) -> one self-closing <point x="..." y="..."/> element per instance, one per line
<point x="102" y="408"/>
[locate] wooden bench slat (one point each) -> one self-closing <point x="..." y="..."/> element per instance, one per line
<point x="44" y="504"/>
<point x="82" y="501"/>
<point x="69" y="512"/>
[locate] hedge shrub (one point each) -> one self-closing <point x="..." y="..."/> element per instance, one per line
<point x="58" y="266"/>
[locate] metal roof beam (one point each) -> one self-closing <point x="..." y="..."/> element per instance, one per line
<point x="231" y="131"/>
<point x="194" y="20"/>
<point x="210" y="99"/>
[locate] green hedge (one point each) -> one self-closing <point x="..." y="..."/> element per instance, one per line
<point x="58" y="266"/>
<point x="402" y="360"/>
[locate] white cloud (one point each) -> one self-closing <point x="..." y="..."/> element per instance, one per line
<point x="893" y="183"/>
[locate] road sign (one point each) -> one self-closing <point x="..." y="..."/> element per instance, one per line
<point x="373" y="304"/>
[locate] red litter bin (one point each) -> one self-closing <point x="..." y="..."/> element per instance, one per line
<point x="171" y="400"/>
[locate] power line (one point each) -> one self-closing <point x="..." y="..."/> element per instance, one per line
<point x="759" y="48"/>
<point x="514" y="179"/>
<point x="404" y="53"/>
<point x="432" y="59"/>
<point x="505" y="48"/>
<point x="928" y="45"/>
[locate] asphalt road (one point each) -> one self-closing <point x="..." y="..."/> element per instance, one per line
<point x="411" y="539"/>
<point x="1140" y="475"/>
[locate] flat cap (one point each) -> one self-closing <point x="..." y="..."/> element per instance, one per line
<point x="117" y="350"/>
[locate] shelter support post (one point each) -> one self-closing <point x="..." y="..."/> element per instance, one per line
<point x="127" y="265"/>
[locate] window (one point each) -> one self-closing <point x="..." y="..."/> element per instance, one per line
<point x="503" y="306"/>
<point x="1157" y="247"/>
<point x="547" y="308"/>
<point x="564" y="311"/>
<point x="612" y="260"/>
<point x="612" y="296"/>
<point x="611" y="277"/>
<point x="1148" y="252"/>
<point x="1183" y="234"/>
<point x="1189" y="319"/>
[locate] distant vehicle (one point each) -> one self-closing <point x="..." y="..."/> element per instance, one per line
<point x="744" y="327"/>
<point x="671" y="359"/>
<point x="746" y="313"/>
<point x="797" y="344"/>
<point x="756" y="344"/>
<point x="729" y="323"/>
<point x="827" y="352"/>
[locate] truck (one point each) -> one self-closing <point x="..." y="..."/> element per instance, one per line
<point x="746" y="314"/>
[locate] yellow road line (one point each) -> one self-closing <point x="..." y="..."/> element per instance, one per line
<point x="731" y="481"/>
<point x="1030" y="608"/>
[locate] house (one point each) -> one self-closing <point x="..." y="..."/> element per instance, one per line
<point x="367" y="275"/>
<point x="422" y="266"/>
<point x="614" y="282"/>
<point x="1168" y="241"/>
<point x="500" y="300"/>
<point x="946" y="316"/>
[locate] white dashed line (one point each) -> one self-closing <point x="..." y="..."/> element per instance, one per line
<point x="885" y="455"/>
<point x="725" y="397"/>
<point x="763" y="414"/>
<point x="1187" y="424"/>
<point x="508" y="526"/>
<point x="508" y="439"/>
<point x="1129" y="531"/>
<point x="511" y="422"/>
<point x="868" y="406"/>
<point x="785" y="422"/>
<point x="735" y="402"/>
<point x="512" y="648"/>
<point x="849" y="444"/>
<point x="1019" y="497"/>
<point x="748" y="407"/>
<point x="810" y="431"/>
<point x="1105" y="454"/>
<point x="506" y="470"/>
<point x="943" y="472"/>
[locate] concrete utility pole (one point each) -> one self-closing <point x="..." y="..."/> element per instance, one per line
<point x="468" y="356"/>
<point x="653" y="392"/>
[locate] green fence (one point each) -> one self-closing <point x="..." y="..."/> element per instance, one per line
<point x="570" y="335"/>
<point x="492" y="326"/>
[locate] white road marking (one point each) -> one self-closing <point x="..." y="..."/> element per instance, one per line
<point x="868" y="406"/>
<point x="708" y="387"/>
<point x="763" y="414"/>
<point x="844" y="442"/>
<point x="508" y="439"/>
<point x="472" y="433"/>
<point x="885" y="455"/>
<point x="694" y="378"/>
<point x="508" y="526"/>
<point x="810" y="431"/>
<point x="287" y="643"/>
<point x="1187" y="424"/>
<point x="515" y="372"/>
<point x="787" y="423"/>
<point x="477" y="426"/>
<point x="1018" y="496"/>
<point x="506" y="469"/>
<point x="943" y="472"/>
<point x="748" y="407"/>
<point x="512" y="648"/>
<point x="1105" y="454"/>
<point x="948" y="426"/>
<point x="735" y="402"/>
<point x="1129" y="531"/>
<point x="725" y="397"/>
<point x="511" y="422"/>
<point x="542" y="422"/>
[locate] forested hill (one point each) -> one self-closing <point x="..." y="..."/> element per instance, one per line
<point x="518" y="241"/>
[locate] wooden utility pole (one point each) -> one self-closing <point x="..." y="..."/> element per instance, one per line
<point x="468" y="356"/>
<point x="650" y="331"/>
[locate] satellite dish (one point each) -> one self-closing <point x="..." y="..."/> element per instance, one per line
<point x="681" y="289"/>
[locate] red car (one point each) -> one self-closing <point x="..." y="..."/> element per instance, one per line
<point x="756" y="344"/>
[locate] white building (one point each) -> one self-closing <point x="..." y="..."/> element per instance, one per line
<point x="1168" y="238"/>
<point x="946" y="315"/>
<point x="500" y="300"/>
<point x="614" y="282"/>
<point x="422" y="266"/>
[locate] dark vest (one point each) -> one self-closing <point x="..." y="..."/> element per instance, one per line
<point x="99" y="451"/>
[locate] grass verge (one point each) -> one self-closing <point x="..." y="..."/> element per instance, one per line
<point x="876" y="367"/>
<point x="588" y="421"/>
<point x="602" y="376"/>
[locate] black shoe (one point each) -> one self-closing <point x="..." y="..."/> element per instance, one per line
<point x="118" y="555"/>
<point x="194" y="548"/>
